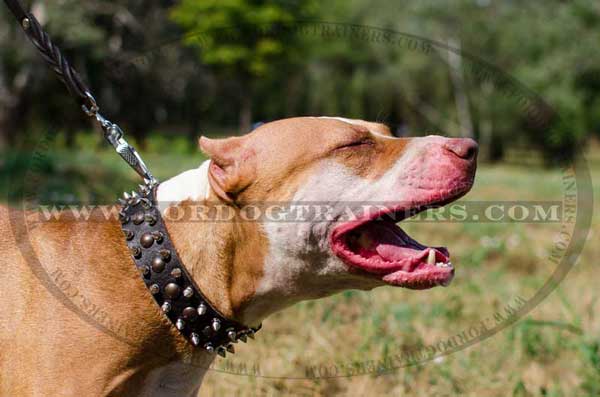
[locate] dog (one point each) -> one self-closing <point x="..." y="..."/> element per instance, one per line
<point x="246" y="269"/>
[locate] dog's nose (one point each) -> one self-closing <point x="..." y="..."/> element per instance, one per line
<point x="465" y="148"/>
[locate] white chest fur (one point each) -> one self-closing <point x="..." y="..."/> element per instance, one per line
<point x="189" y="185"/>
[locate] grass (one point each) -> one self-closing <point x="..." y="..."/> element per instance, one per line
<point x="552" y="351"/>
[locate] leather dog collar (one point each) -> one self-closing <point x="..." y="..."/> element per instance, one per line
<point x="167" y="279"/>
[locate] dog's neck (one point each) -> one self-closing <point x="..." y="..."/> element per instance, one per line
<point x="213" y="252"/>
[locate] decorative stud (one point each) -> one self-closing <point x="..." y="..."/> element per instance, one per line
<point x="195" y="339"/>
<point x="138" y="218"/>
<point x="147" y="204"/>
<point x="207" y="331"/>
<point x="123" y="202"/>
<point x="231" y="335"/>
<point x="134" y="194"/>
<point x="145" y="270"/>
<point x="150" y="219"/>
<point x="216" y="324"/>
<point x="202" y="309"/>
<point x="158" y="236"/>
<point x="188" y="292"/>
<point x="128" y="234"/>
<point x="209" y="348"/>
<point x="158" y="265"/>
<point x="251" y="333"/>
<point x="146" y="240"/>
<point x="221" y="351"/>
<point x="123" y="218"/>
<point x="154" y="289"/>
<point x="189" y="313"/>
<point x="243" y="338"/>
<point x="172" y="290"/>
<point x="230" y="348"/>
<point x="136" y="252"/>
<point x="165" y="254"/>
<point x="180" y="324"/>
<point x="166" y="307"/>
<point x="26" y="23"/>
<point x="176" y="272"/>
<point x="126" y="196"/>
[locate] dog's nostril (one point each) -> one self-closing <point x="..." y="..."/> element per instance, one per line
<point x="465" y="148"/>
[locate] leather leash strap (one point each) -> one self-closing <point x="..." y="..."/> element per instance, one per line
<point x="51" y="54"/>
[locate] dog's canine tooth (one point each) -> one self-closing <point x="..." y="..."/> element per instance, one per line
<point x="431" y="257"/>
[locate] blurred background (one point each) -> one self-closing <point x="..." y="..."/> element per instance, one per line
<point x="521" y="78"/>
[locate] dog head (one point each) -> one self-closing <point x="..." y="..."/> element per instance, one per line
<point x="356" y="182"/>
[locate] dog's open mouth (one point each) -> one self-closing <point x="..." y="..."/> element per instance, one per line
<point x="379" y="247"/>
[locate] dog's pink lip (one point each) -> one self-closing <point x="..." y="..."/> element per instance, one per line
<point x="408" y="265"/>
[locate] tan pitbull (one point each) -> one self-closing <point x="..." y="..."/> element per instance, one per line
<point x="55" y="271"/>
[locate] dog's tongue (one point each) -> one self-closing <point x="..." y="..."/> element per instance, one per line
<point x="397" y="253"/>
<point x="392" y="243"/>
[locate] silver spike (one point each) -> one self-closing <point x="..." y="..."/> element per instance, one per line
<point x="188" y="292"/>
<point x="180" y="324"/>
<point x="209" y="348"/>
<point x="195" y="339"/>
<point x="154" y="289"/>
<point x="222" y="352"/>
<point x="230" y="348"/>
<point x="216" y="324"/>
<point x="201" y="309"/>
<point x="243" y="338"/>
<point x="251" y="333"/>
<point x="123" y="202"/>
<point x="231" y="334"/>
<point x="166" y="307"/>
<point x="134" y="194"/>
<point x="126" y="196"/>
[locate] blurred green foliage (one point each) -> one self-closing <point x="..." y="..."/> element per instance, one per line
<point x="509" y="74"/>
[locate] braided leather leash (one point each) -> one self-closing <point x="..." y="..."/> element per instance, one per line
<point x="147" y="238"/>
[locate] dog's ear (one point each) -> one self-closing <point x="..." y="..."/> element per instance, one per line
<point x="232" y="167"/>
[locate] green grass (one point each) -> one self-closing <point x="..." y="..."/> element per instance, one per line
<point x="553" y="351"/>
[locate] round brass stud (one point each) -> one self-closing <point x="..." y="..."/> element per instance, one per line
<point x="146" y="240"/>
<point x="158" y="265"/>
<point x="190" y="314"/>
<point x="172" y="290"/>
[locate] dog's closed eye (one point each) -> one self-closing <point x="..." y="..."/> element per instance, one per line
<point x="364" y="142"/>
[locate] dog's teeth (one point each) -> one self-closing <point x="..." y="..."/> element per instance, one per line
<point x="431" y="257"/>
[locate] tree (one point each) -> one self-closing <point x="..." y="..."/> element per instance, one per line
<point x="244" y="41"/>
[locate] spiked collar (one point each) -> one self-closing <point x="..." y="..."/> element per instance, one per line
<point x="168" y="281"/>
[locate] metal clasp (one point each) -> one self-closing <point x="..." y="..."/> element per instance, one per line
<point x="93" y="107"/>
